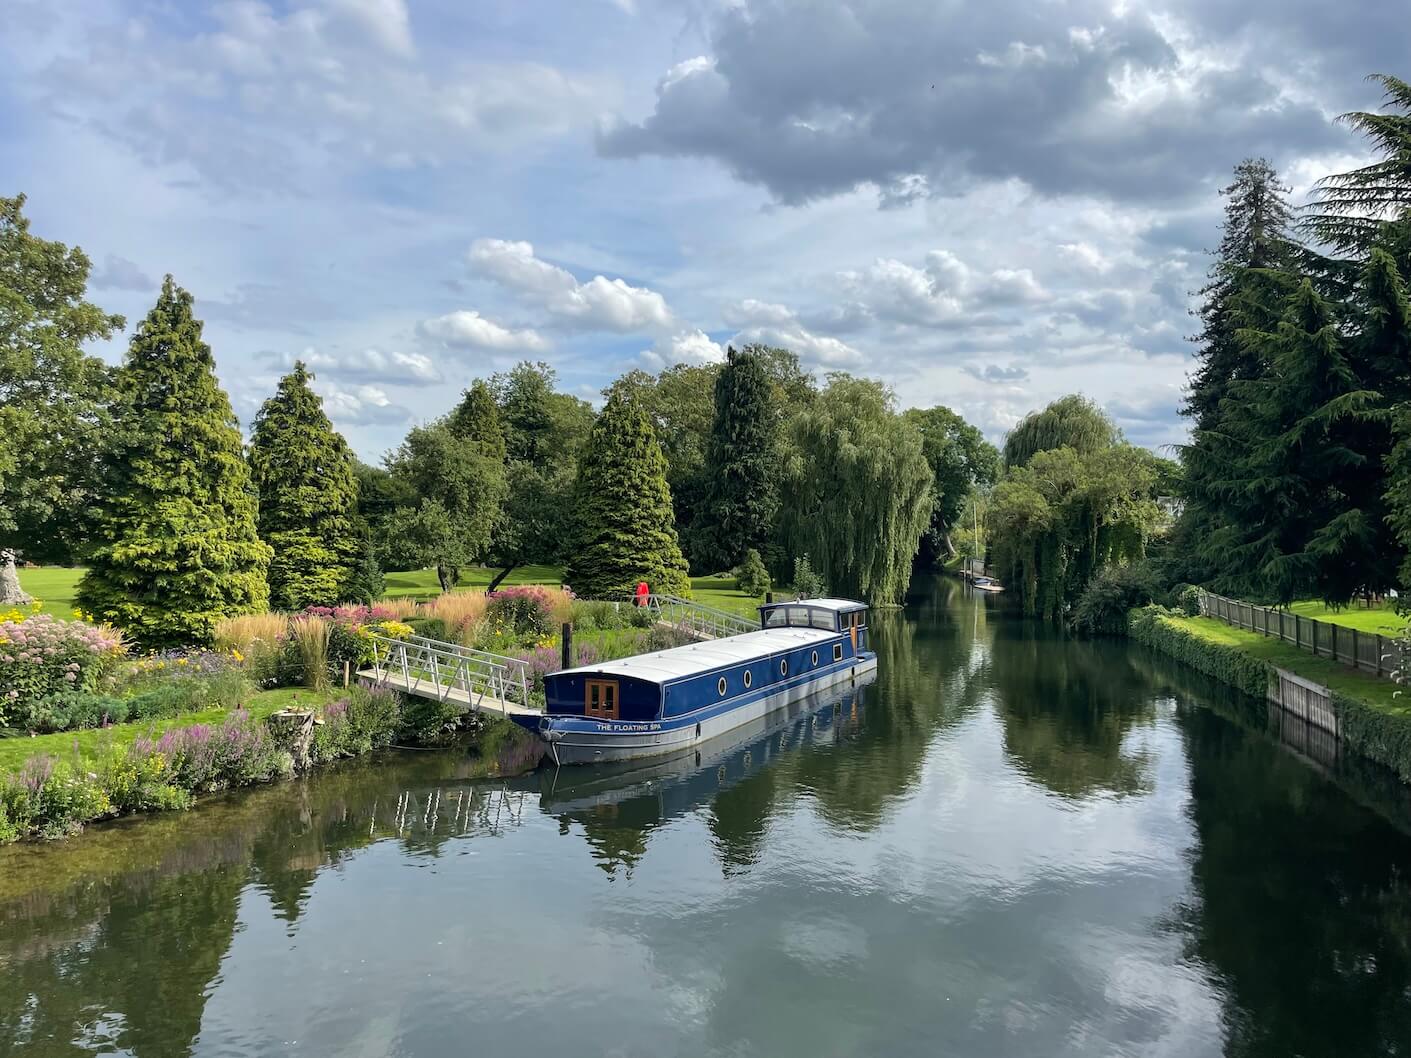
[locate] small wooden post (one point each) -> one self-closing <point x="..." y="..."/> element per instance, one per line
<point x="567" y="640"/>
<point x="347" y="666"/>
<point x="769" y="598"/>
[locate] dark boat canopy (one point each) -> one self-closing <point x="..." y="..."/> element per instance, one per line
<point x="831" y="615"/>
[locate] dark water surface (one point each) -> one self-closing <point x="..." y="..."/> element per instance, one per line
<point x="1011" y="844"/>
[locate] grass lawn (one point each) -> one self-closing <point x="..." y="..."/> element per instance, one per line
<point x="1383" y="618"/>
<point x="15" y="751"/>
<point x="54" y="586"/>
<point x="422" y="583"/>
<point x="1376" y="691"/>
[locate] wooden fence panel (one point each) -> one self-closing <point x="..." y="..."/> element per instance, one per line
<point x="1366" y="651"/>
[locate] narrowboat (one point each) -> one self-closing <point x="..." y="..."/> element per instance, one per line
<point x="672" y="700"/>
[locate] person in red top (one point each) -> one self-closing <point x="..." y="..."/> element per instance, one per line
<point x="642" y="592"/>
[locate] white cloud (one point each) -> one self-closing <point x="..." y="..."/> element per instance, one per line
<point x="364" y="405"/>
<point x="599" y="304"/>
<point x="364" y="365"/>
<point x="118" y="273"/>
<point x="771" y="324"/>
<point x="467" y="329"/>
<point x="687" y="347"/>
<point x="386" y="22"/>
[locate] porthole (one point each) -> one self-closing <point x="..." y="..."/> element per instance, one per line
<point x="721" y="685"/>
<point x="749" y="678"/>
<point x="814" y="659"/>
<point x="783" y="667"/>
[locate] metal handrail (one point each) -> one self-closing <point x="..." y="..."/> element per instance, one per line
<point x="450" y="667"/>
<point x="698" y="618"/>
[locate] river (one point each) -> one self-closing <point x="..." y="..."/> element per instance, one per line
<point x="1011" y="843"/>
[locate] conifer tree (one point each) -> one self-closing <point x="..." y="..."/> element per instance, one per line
<point x="177" y="545"/>
<point x="1303" y="513"/>
<point x="627" y="525"/>
<point x="739" y="503"/>
<point x="303" y="473"/>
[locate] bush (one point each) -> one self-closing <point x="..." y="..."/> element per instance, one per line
<point x="310" y="635"/>
<point x="359" y="723"/>
<point x="751" y="577"/>
<point x="40" y="656"/>
<point x="1188" y="599"/>
<point x="434" y="723"/>
<point x="529" y="612"/>
<point x="166" y="684"/>
<point x="203" y="758"/>
<point x="807" y="583"/>
<point x="588" y="614"/>
<point x="429" y="628"/>
<point x="1112" y="592"/>
<point x="72" y="711"/>
<point x="1153" y="626"/>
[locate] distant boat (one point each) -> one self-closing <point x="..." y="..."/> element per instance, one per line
<point x="659" y="703"/>
<point x="986" y="584"/>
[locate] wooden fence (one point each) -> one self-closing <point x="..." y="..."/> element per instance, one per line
<point x="1367" y="651"/>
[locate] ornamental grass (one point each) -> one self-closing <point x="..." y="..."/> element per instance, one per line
<point x="461" y="611"/>
<point x="310" y="635"/>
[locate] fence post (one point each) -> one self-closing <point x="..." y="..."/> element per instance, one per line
<point x="567" y="642"/>
<point x="1356" y="650"/>
<point x="1380" y="641"/>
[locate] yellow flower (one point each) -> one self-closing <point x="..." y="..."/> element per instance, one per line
<point x="239" y="657"/>
<point x="182" y="661"/>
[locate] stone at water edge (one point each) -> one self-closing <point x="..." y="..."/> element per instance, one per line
<point x="11" y="594"/>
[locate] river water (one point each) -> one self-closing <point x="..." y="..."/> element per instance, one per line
<point x="1010" y="844"/>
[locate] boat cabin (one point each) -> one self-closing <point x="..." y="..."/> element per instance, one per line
<point x="798" y="644"/>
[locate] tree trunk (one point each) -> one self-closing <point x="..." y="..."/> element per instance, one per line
<point x="447" y="576"/>
<point x="11" y="594"/>
<point x="950" y="547"/>
<point x="501" y="576"/>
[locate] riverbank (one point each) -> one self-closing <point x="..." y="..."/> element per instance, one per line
<point x="1375" y="714"/>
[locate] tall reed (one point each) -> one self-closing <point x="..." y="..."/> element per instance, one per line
<point x="401" y="608"/>
<point x="462" y="611"/>
<point x="311" y="637"/>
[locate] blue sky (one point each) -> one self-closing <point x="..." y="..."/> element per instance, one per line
<point x="986" y="206"/>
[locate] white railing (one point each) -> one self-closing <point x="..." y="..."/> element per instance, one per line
<point x="695" y="619"/>
<point x="430" y="668"/>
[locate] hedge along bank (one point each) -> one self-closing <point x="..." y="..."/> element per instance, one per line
<point x="1378" y="733"/>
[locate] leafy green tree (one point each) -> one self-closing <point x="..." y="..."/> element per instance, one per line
<point x="1072" y="422"/>
<point x="1064" y="515"/>
<point x="856" y="491"/>
<point x="303" y="471"/>
<point x="456" y="468"/>
<point x="738" y="509"/>
<point x="1306" y="509"/>
<point x="808" y="584"/>
<point x="178" y="547"/>
<point x="53" y="398"/>
<point x="961" y="461"/>
<point x="751" y="577"/>
<point x="627" y="526"/>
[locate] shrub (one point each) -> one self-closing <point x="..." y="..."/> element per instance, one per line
<point x="751" y="577"/>
<point x="1153" y="626"/>
<point x="203" y="758"/>
<point x="461" y="611"/>
<point x="530" y="611"/>
<point x="310" y="634"/>
<point x="72" y="711"/>
<point x="177" y="682"/>
<point x="1188" y="599"/>
<point x="1112" y="592"/>
<point x="429" y="627"/>
<point x="359" y="723"/>
<point x="434" y="723"/>
<point x="808" y="584"/>
<point x="588" y="614"/>
<point x="41" y="655"/>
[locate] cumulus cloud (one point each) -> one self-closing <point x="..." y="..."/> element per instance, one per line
<point x="913" y="99"/>
<point x="599" y="304"/>
<point x="363" y="365"/>
<point x="686" y="347"/>
<point x="996" y="374"/>
<point x="778" y="325"/>
<point x="467" y="329"/>
<point x="364" y="405"/>
<point x="944" y="291"/>
<point x="118" y="273"/>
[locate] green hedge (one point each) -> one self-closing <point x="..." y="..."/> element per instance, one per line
<point x="1376" y="734"/>
<point x="1151" y="625"/>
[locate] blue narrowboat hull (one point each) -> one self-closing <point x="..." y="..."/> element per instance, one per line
<point x="583" y="740"/>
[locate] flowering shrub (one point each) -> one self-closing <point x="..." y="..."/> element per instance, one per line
<point x="15" y="615"/>
<point x="202" y="757"/>
<point x="40" y="655"/>
<point x="543" y="660"/>
<point x="528" y="610"/>
<point x="363" y="721"/>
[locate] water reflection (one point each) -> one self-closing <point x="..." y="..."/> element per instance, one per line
<point x="1012" y="843"/>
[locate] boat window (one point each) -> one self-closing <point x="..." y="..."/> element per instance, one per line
<point x="775" y="618"/>
<point x="721" y="686"/>
<point x="837" y="652"/>
<point x="749" y="678"/>
<point x="822" y="619"/>
<point x="814" y="659"/>
<point x="798" y="617"/>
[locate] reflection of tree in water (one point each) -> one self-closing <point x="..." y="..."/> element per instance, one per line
<point x="1067" y="707"/>
<point x="617" y="832"/>
<point x="134" y="978"/>
<point x="1302" y="902"/>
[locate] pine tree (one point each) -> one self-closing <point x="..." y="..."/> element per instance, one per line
<point x="627" y="524"/>
<point x="178" y="547"/>
<point x="303" y="472"/>
<point x="1303" y="512"/>
<point x="739" y="502"/>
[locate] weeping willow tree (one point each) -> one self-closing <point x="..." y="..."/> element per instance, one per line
<point x="856" y="490"/>
<point x="1070" y="422"/>
<point x="1064" y="515"/>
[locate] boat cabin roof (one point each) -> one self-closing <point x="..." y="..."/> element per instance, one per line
<point x="836" y="605"/>
<point x="663" y="666"/>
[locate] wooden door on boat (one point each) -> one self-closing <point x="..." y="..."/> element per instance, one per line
<point x="600" y="699"/>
